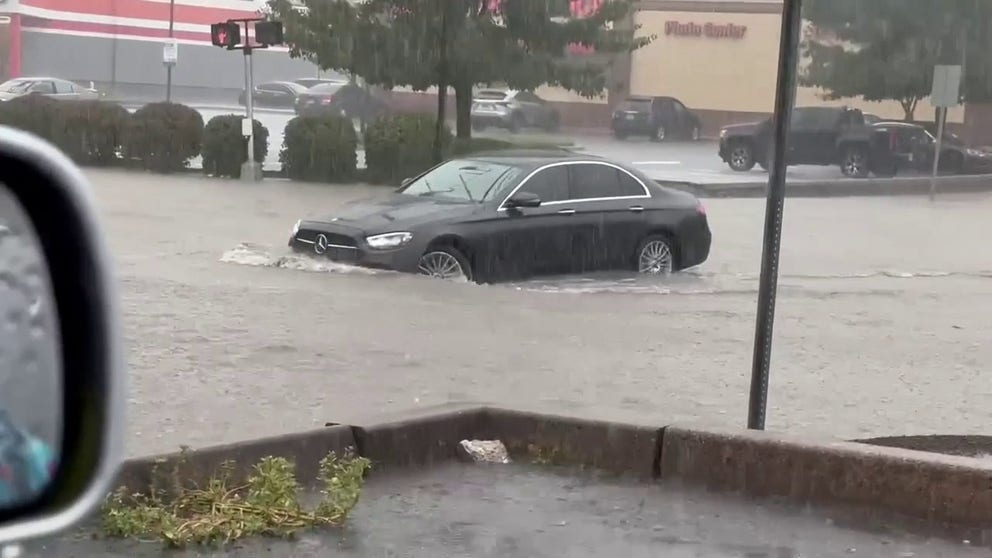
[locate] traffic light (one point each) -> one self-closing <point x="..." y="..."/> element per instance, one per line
<point x="227" y="34"/>
<point x="268" y="32"/>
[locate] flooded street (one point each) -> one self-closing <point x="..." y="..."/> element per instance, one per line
<point x="881" y="327"/>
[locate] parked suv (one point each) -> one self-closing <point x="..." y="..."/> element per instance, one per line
<point x="659" y="118"/>
<point x="513" y="110"/>
<point x="817" y="136"/>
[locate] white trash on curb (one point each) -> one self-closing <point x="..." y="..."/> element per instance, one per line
<point x="484" y="451"/>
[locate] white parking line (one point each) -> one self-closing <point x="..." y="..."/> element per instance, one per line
<point x="657" y="163"/>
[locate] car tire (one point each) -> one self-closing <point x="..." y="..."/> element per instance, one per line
<point x="952" y="163"/>
<point x="659" y="134"/>
<point x="741" y="157"/>
<point x="478" y="126"/>
<point x="656" y="255"/>
<point x="439" y="258"/>
<point x="516" y="122"/>
<point x="620" y="135"/>
<point x="854" y="162"/>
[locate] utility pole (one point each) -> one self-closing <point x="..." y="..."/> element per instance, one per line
<point x="251" y="171"/>
<point x="170" y="63"/>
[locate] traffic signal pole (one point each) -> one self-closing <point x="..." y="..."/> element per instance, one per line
<point x="250" y="170"/>
<point x="228" y="35"/>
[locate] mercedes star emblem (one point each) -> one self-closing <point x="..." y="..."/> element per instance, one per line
<point x="320" y="246"/>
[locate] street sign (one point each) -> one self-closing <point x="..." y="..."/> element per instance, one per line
<point x="170" y="53"/>
<point x="246" y="127"/>
<point x="946" y="86"/>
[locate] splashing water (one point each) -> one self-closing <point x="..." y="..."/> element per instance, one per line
<point x="259" y="256"/>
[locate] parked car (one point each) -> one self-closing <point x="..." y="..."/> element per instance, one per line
<point x="512" y="110"/>
<point x="278" y="94"/>
<point x="513" y="214"/>
<point x="914" y="147"/>
<point x="659" y="118"/>
<point x="817" y="136"/>
<point x="347" y="99"/>
<point x="313" y="82"/>
<point x="55" y="88"/>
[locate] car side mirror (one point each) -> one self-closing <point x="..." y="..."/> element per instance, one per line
<point x="61" y="406"/>
<point x="524" y="199"/>
<point x="405" y="181"/>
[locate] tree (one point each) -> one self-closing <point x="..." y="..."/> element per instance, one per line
<point x="459" y="43"/>
<point x="887" y="49"/>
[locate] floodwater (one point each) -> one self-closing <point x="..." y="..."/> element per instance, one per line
<point x="881" y="314"/>
<point x="512" y="511"/>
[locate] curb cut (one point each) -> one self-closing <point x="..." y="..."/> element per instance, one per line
<point x="929" y="493"/>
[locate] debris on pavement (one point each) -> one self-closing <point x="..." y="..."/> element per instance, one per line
<point x="483" y="451"/>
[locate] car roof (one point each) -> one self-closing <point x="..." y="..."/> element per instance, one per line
<point x="897" y="123"/>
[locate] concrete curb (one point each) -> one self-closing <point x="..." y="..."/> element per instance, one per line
<point x="850" y="187"/>
<point x="932" y="491"/>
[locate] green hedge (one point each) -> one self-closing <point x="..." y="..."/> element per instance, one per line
<point x="225" y="149"/>
<point x="401" y="146"/>
<point x="163" y="137"/>
<point x="90" y="132"/>
<point x="319" y="148"/>
<point x="31" y="113"/>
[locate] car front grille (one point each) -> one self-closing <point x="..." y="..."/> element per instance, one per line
<point x="333" y="239"/>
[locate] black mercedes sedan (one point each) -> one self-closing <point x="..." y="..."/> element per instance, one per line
<point x="516" y="214"/>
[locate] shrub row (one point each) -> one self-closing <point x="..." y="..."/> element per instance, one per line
<point x="163" y="137"/>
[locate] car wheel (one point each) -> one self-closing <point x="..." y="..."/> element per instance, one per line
<point x="478" y="126"/>
<point x="516" y="122"/>
<point x="952" y="163"/>
<point x="620" y="134"/>
<point x="655" y="255"/>
<point x="854" y="163"/>
<point x="659" y="134"/>
<point x="741" y="157"/>
<point x="445" y="262"/>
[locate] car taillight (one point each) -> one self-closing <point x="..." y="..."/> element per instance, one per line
<point x="701" y="209"/>
<point x="327" y="100"/>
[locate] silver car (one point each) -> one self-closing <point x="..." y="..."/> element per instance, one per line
<point x="512" y="110"/>
<point x="49" y="87"/>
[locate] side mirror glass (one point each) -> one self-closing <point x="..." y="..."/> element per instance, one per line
<point x="405" y="181"/>
<point x="524" y="199"/>
<point x="61" y="392"/>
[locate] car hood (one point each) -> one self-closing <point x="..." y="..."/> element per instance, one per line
<point x="745" y="128"/>
<point x="6" y="95"/>
<point x="397" y="212"/>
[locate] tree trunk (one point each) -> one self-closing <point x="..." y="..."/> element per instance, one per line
<point x="909" y="109"/>
<point x="463" y="109"/>
<point x="437" y="153"/>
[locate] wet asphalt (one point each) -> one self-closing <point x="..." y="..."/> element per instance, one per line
<point x="511" y="511"/>
<point x="880" y="329"/>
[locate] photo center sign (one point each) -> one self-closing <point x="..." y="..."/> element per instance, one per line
<point x="707" y="30"/>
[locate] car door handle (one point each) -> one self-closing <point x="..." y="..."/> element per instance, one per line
<point x="637" y="208"/>
<point x="566" y="212"/>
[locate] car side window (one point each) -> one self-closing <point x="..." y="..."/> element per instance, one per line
<point x="592" y="180"/>
<point x="629" y="186"/>
<point x="268" y="87"/>
<point x="42" y="87"/>
<point x="550" y="184"/>
<point x="64" y="87"/>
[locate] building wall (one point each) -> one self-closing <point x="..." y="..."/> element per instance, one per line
<point x="728" y="77"/>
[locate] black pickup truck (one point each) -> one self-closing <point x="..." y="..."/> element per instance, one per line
<point x="817" y="136"/>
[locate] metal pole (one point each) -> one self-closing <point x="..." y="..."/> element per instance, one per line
<point x="941" y="120"/>
<point x="250" y="105"/>
<point x="788" y="59"/>
<point x="168" y="67"/>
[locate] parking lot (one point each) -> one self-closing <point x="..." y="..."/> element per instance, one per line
<point x="878" y="319"/>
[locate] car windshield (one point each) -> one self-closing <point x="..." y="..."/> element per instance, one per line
<point x="469" y="180"/>
<point x="326" y="88"/>
<point x="15" y="85"/>
<point x="641" y="105"/>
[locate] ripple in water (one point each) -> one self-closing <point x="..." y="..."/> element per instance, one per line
<point x="259" y="256"/>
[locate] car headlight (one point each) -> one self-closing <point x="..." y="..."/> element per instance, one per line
<point x="723" y="134"/>
<point x="975" y="153"/>
<point x="388" y="240"/>
<point x="296" y="228"/>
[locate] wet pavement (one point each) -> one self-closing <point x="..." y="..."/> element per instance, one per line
<point x="879" y="318"/>
<point x="511" y="511"/>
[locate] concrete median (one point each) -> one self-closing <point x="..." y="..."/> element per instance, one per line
<point x="932" y="491"/>
<point x="841" y="187"/>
